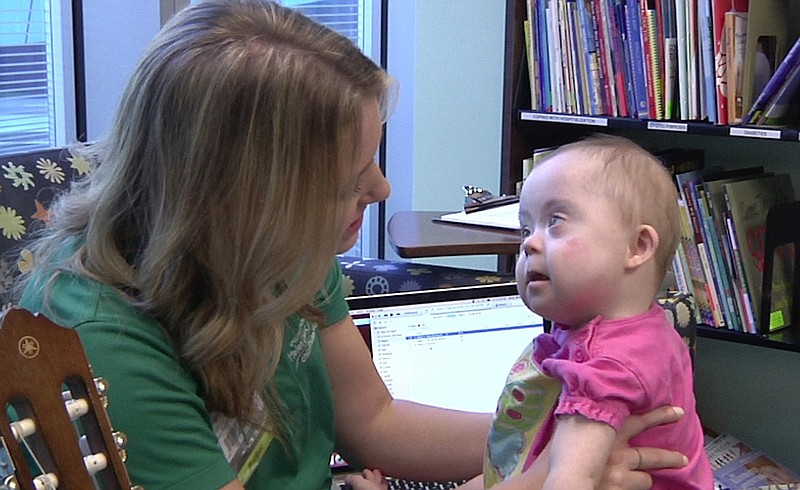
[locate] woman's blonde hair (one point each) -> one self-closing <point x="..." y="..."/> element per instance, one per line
<point x="217" y="203"/>
<point x="638" y="183"/>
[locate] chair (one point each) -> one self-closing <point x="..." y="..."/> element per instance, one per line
<point x="28" y="183"/>
<point x="54" y="426"/>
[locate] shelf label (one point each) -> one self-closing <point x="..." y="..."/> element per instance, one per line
<point x="772" y="134"/>
<point x="667" y="126"/>
<point x="564" y="118"/>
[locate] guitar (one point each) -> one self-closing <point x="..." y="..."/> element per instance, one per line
<point x="54" y="429"/>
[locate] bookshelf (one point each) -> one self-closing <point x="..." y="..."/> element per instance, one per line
<point x="525" y="130"/>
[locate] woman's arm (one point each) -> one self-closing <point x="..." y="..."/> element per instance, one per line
<point x="401" y="438"/>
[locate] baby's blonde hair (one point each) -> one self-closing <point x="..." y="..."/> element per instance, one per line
<point x="637" y="182"/>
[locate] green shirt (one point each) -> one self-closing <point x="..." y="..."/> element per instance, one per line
<point x="154" y="401"/>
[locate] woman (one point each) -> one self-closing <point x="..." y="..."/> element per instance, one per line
<point x="197" y="263"/>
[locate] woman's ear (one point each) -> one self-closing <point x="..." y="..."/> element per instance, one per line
<point x="643" y="246"/>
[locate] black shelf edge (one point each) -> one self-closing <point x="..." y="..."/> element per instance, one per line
<point x="787" y="339"/>
<point x="686" y="127"/>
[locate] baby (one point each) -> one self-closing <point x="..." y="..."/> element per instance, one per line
<point x="600" y="224"/>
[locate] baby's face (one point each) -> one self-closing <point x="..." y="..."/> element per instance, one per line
<point x="574" y="244"/>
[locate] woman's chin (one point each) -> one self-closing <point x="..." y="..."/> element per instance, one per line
<point x="346" y="243"/>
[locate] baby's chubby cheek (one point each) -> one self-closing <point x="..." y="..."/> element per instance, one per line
<point x="575" y="248"/>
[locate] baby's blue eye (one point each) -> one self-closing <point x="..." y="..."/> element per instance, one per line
<point x="554" y="220"/>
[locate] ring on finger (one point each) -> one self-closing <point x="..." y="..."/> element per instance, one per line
<point x="638" y="460"/>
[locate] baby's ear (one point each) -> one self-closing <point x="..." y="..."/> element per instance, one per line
<point x="643" y="246"/>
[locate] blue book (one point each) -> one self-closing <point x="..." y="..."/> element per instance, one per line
<point x="706" y="29"/>
<point x="592" y="58"/>
<point x="544" y="58"/>
<point x="634" y="30"/>
<point x="625" y="57"/>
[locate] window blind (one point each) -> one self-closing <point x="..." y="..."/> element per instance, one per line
<point x="27" y="101"/>
<point x="340" y="15"/>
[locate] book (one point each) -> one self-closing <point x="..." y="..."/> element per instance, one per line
<point x="737" y="466"/>
<point x="705" y="33"/>
<point x="767" y="36"/>
<point x="637" y="58"/>
<point x="778" y="80"/>
<point x="540" y="13"/>
<point x="653" y="55"/>
<point x="533" y="66"/>
<point x="505" y="217"/>
<point x="683" y="62"/>
<point x="748" y="202"/>
<point x="736" y="37"/>
<point x="601" y="20"/>
<point x="719" y="8"/>
<point x="680" y="160"/>
<point x="784" y="108"/>
<point x="741" y="302"/>
<point x="694" y="272"/>
<point x="696" y="250"/>
<point x="616" y="32"/>
<point x="592" y="71"/>
<point x="555" y="56"/>
<point x="669" y="58"/>
<point x="692" y="54"/>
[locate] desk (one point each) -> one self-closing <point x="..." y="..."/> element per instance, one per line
<point x="414" y="234"/>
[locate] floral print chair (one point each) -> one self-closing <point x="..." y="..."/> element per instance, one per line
<point x="28" y="183"/>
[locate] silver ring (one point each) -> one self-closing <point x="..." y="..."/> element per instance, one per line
<point x="639" y="461"/>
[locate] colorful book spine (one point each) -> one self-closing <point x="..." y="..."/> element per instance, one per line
<point x="606" y="63"/>
<point x="637" y="58"/>
<point x="540" y="9"/>
<point x="670" y="59"/>
<point x="618" y="56"/>
<point x="580" y="71"/>
<point x="556" y="56"/>
<point x="656" y="63"/>
<point x="692" y="84"/>
<point x="705" y="31"/>
<point x="591" y="57"/>
<point x="683" y="65"/>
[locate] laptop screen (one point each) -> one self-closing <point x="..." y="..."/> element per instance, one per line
<point x="451" y="347"/>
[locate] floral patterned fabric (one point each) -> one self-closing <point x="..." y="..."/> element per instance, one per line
<point x="28" y="183"/>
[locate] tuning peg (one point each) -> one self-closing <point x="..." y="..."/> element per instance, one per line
<point x="102" y="389"/>
<point x="48" y="481"/>
<point x="23" y="428"/>
<point x="121" y="440"/>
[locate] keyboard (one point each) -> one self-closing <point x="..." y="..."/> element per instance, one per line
<point x="399" y="484"/>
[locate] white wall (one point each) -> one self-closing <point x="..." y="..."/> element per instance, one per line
<point x="115" y="33"/>
<point x="446" y="130"/>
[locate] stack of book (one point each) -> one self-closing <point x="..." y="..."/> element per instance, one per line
<point x="701" y="60"/>
<point x="720" y="257"/>
<point x="737" y="466"/>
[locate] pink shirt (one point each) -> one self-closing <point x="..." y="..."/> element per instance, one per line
<point x="610" y="369"/>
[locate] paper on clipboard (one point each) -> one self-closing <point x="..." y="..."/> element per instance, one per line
<point x="506" y="217"/>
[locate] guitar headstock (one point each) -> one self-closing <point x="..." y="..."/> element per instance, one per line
<point x="54" y="426"/>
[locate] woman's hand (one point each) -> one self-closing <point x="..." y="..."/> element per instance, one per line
<point x="627" y="467"/>
<point x="367" y="480"/>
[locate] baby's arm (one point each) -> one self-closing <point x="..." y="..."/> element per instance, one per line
<point x="579" y="452"/>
